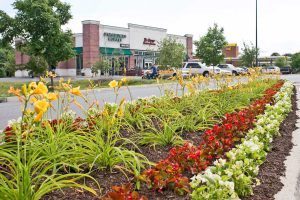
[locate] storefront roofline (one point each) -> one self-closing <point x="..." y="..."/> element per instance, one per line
<point x="146" y="27"/>
<point x="115" y="27"/>
<point x="174" y="35"/>
<point x="90" y="22"/>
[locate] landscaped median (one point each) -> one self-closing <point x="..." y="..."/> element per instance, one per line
<point x="118" y="145"/>
<point x="234" y="176"/>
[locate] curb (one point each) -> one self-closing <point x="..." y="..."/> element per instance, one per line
<point x="291" y="179"/>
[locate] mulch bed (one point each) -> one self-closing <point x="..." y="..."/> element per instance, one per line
<point x="271" y="171"/>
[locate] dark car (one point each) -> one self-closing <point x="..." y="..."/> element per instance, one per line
<point x="285" y="70"/>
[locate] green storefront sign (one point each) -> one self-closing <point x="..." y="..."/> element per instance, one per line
<point x="114" y="37"/>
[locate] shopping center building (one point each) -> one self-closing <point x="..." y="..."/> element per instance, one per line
<point x="137" y="45"/>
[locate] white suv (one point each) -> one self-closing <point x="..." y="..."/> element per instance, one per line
<point x="229" y="68"/>
<point x="195" y="68"/>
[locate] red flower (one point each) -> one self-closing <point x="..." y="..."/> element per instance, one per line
<point x="211" y="138"/>
<point x="208" y="132"/>
<point x="228" y="126"/>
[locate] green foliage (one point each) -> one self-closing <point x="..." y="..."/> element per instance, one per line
<point x="249" y="55"/>
<point x="210" y="47"/>
<point x="102" y="65"/>
<point x="7" y="61"/>
<point x="104" y="148"/>
<point x="37" y="66"/>
<point x="171" y="54"/>
<point x="275" y="54"/>
<point x="154" y="137"/>
<point x="28" y="173"/>
<point x="281" y="62"/>
<point x="296" y="61"/>
<point x="38" y="26"/>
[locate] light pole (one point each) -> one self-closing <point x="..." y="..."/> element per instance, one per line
<point x="256" y="53"/>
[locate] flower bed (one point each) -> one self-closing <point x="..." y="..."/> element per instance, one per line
<point x="112" y="139"/>
<point x="234" y="176"/>
<point x="168" y="173"/>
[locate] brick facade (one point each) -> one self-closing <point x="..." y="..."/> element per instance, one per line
<point x="131" y="62"/>
<point x="189" y="46"/>
<point x="90" y="42"/>
<point x="231" y="51"/>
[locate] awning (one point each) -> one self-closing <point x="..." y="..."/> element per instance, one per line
<point x="107" y="51"/>
<point x="115" y="51"/>
<point x="78" y="50"/>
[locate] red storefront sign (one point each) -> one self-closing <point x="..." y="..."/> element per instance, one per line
<point x="148" y="41"/>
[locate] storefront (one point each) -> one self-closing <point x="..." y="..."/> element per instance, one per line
<point x="136" y="47"/>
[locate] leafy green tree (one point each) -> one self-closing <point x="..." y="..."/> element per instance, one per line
<point x="7" y="61"/>
<point x="36" y="66"/>
<point x="210" y="47"/>
<point x="295" y="61"/>
<point x="171" y="53"/>
<point x="275" y="54"/>
<point x="249" y="54"/>
<point x="102" y="65"/>
<point x="281" y="62"/>
<point x="38" y="26"/>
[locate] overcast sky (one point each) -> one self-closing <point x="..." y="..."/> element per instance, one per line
<point x="278" y="20"/>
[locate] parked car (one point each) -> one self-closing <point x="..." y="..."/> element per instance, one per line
<point x="195" y="68"/>
<point x="270" y="70"/>
<point x="285" y="70"/>
<point x="230" y="69"/>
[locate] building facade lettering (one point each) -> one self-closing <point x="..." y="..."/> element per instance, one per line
<point x="148" y="41"/>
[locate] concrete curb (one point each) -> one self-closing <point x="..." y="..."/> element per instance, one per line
<point x="291" y="181"/>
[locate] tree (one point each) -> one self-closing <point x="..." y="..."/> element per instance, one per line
<point x="171" y="53"/>
<point x="275" y="54"/>
<point x="210" y="47"/>
<point x="295" y="61"/>
<point x="288" y="55"/>
<point x="37" y="24"/>
<point x="36" y="66"/>
<point x="281" y="62"/>
<point x="7" y="61"/>
<point x="249" y="55"/>
<point x="102" y="65"/>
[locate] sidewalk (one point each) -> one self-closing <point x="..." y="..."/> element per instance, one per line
<point x="291" y="181"/>
<point x="28" y="79"/>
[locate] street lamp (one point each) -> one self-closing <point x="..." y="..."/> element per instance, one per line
<point x="256" y="53"/>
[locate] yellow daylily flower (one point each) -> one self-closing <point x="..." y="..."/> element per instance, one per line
<point x="33" y="99"/>
<point x="32" y="85"/>
<point x="190" y="87"/>
<point x="24" y="90"/>
<point x="40" y="107"/>
<point x="14" y="91"/>
<point x="113" y="84"/>
<point x="76" y="91"/>
<point x="124" y="80"/>
<point x="40" y="89"/>
<point x="52" y="96"/>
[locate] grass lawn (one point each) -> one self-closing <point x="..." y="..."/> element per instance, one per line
<point x="84" y="84"/>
